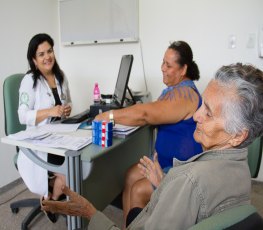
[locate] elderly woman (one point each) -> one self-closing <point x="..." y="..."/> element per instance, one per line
<point x="229" y="119"/>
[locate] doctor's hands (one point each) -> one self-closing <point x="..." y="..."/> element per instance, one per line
<point x="60" y="111"/>
<point x="151" y="169"/>
<point x="67" y="110"/>
<point x="75" y="206"/>
<point x="56" y="111"/>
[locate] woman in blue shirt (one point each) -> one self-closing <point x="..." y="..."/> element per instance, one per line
<point x="173" y="115"/>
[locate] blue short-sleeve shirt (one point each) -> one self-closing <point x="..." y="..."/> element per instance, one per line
<point x="176" y="140"/>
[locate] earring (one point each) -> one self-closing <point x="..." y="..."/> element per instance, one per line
<point x="181" y="78"/>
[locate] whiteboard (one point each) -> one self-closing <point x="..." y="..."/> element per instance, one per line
<point x="98" y="21"/>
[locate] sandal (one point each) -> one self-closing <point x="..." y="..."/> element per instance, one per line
<point x="52" y="217"/>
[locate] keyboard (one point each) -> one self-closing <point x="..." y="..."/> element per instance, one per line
<point x="78" y="118"/>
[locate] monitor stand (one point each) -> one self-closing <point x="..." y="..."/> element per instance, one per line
<point x="95" y="109"/>
<point x="132" y="97"/>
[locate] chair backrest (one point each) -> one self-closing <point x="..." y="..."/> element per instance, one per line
<point x="11" y="99"/>
<point x="254" y="156"/>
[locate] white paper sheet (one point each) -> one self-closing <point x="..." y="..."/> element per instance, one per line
<point x="29" y="134"/>
<point x="59" y="128"/>
<point x="122" y="131"/>
<point x="63" y="141"/>
<point x="47" y="135"/>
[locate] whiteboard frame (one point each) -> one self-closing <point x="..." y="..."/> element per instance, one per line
<point x="85" y="41"/>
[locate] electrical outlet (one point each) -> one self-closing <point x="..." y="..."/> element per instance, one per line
<point x="232" y="41"/>
<point x="251" y="41"/>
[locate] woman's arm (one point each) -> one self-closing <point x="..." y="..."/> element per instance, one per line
<point x="27" y="98"/>
<point x="178" y="201"/>
<point x="77" y="205"/>
<point x="56" y="111"/>
<point x="177" y="105"/>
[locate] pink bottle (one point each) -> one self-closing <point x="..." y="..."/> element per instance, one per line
<point x="96" y="94"/>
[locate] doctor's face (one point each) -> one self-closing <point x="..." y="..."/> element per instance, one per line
<point x="45" y="58"/>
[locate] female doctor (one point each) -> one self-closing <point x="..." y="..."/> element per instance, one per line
<point x="43" y="97"/>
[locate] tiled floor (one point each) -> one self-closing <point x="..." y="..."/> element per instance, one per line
<point x="10" y="221"/>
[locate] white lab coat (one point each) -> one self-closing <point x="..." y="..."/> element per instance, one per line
<point x="30" y="100"/>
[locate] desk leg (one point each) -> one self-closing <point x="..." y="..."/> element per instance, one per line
<point x="71" y="168"/>
<point x="73" y="181"/>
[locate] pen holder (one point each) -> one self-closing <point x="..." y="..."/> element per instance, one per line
<point x="102" y="133"/>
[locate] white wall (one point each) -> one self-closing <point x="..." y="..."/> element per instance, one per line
<point x="206" y="25"/>
<point x="19" y="21"/>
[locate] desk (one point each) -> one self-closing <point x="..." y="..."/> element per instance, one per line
<point x="104" y="167"/>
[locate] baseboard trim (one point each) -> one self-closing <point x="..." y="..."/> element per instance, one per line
<point x="255" y="182"/>
<point x="11" y="185"/>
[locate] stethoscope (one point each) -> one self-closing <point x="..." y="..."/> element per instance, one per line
<point x="50" y="94"/>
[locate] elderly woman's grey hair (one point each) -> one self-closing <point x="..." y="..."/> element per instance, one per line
<point x="244" y="111"/>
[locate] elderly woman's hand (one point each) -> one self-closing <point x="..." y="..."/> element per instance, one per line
<point x="151" y="169"/>
<point x="75" y="206"/>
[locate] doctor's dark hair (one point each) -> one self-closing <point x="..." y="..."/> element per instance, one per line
<point x="31" y="54"/>
<point x="185" y="54"/>
<point x="244" y="109"/>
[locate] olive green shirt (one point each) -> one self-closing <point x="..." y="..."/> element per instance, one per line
<point x="193" y="190"/>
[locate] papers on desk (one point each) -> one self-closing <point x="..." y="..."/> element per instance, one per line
<point x="123" y="131"/>
<point x="61" y="128"/>
<point x="63" y="141"/>
<point x="29" y="134"/>
<point x="47" y="136"/>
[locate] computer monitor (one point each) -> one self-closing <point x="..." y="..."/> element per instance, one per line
<point x="121" y="89"/>
<point x="121" y="86"/>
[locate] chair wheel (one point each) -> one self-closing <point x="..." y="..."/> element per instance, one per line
<point x="15" y="210"/>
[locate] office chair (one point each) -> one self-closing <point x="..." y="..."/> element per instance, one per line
<point x="243" y="217"/>
<point x="254" y="156"/>
<point x="12" y="125"/>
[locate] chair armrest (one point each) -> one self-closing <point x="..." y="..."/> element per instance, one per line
<point x="225" y="219"/>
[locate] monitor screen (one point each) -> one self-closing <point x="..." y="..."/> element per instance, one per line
<point x="123" y="79"/>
